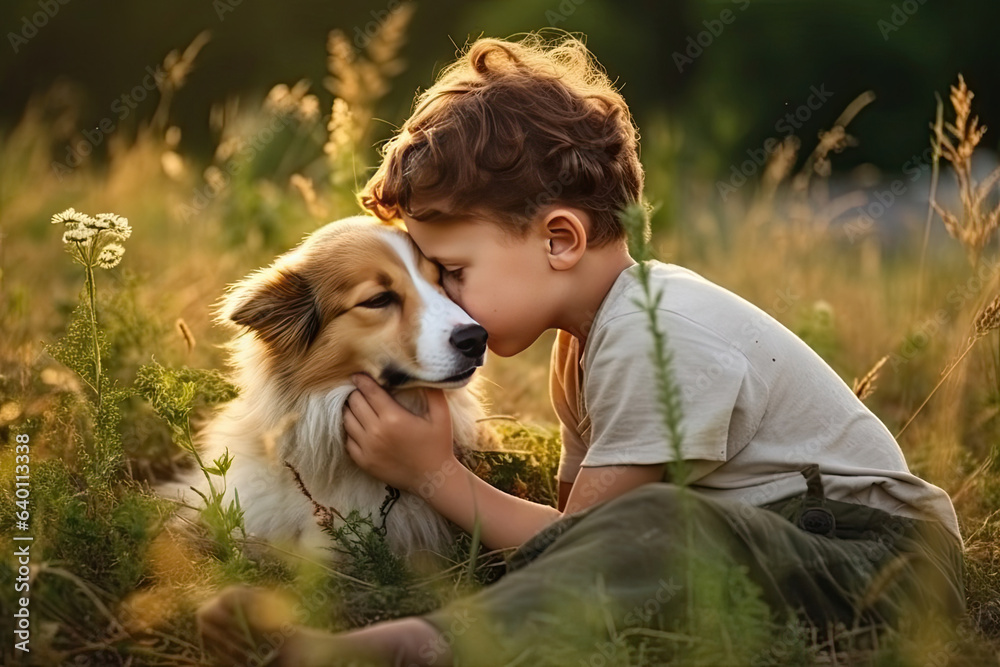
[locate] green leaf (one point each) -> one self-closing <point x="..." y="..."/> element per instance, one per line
<point x="224" y="462"/>
<point x="75" y="349"/>
<point x="174" y="392"/>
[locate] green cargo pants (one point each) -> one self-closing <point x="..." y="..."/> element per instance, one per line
<point x="633" y="565"/>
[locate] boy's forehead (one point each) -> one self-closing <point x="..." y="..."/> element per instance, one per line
<point x="434" y="239"/>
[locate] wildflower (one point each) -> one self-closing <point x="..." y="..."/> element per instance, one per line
<point x="97" y="224"/>
<point x="69" y="215"/>
<point x="95" y="241"/>
<point x="78" y="235"/>
<point x="110" y="256"/>
<point x="71" y="218"/>
<point x="117" y="224"/>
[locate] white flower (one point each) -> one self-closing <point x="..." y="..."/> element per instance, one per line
<point x="93" y="235"/>
<point x="110" y="256"/>
<point x="71" y="218"/>
<point x="68" y="214"/>
<point x="117" y="224"/>
<point x="99" y="223"/>
<point x="112" y="218"/>
<point x="78" y="234"/>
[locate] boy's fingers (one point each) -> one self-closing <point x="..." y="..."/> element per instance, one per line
<point x="351" y="423"/>
<point x="378" y="398"/>
<point x="437" y="405"/>
<point x="360" y="408"/>
<point x="354" y="450"/>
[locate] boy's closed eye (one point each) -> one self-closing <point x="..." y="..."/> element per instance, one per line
<point x="452" y="274"/>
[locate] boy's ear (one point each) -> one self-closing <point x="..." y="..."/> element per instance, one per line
<point x="566" y="234"/>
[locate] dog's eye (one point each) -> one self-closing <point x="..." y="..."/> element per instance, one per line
<point x="380" y="300"/>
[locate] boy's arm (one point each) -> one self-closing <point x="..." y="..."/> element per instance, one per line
<point x="508" y="521"/>
<point x="415" y="453"/>
<point x="381" y="439"/>
<point x="504" y="520"/>
<point x="597" y="484"/>
<point x="564" y="490"/>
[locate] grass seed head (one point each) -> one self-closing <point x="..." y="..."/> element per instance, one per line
<point x="988" y="318"/>
<point x="865" y="387"/>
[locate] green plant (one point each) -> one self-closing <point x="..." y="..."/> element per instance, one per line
<point x="636" y="221"/>
<point x="722" y="600"/>
<point x="173" y="393"/>
<point x="89" y="523"/>
<point x="94" y="243"/>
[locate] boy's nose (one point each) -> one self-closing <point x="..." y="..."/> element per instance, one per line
<point x="470" y="340"/>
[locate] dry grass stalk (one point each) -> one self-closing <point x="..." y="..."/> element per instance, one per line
<point x="185" y="332"/>
<point x="234" y="127"/>
<point x="800" y="205"/>
<point x="988" y="318"/>
<point x="361" y="79"/>
<point x="177" y="64"/>
<point x="324" y="514"/>
<point x="884" y="578"/>
<point x="969" y="482"/>
<point x="977" y="221"/>
<point x="834" y="140"/>
<point x="935" y="173"/>
<point x="358" y="80"/>
<point x="865" y="387"/>
<point x="342" y="130"/>
<point x="986" y="321"/>
<point x="781" y="163"/>
<point x="304" y="186"/>
<point x="779" y="167"/>
<point x="295" y="101"/>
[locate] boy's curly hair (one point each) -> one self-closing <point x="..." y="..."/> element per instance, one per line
<point x="508" y="128"/>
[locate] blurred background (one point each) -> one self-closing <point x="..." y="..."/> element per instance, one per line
<point x="681" y="64"/>
<point x="787" y="143"/>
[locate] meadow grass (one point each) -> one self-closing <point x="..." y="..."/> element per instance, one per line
<point x="914" y="328"/>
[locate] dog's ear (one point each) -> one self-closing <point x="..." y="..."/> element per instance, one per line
<point x="279" y="306"/>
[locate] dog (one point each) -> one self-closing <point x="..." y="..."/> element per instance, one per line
<point x="356" y="296"/>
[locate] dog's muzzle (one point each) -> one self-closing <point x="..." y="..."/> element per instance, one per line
<point x="470" y="340"/>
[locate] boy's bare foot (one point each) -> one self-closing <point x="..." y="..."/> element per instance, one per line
<point x="244" y="625"/>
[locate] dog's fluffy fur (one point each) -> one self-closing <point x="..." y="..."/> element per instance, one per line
<point x="355" y="296"/>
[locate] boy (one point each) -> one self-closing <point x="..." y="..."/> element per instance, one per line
<point x="510" y="175"/>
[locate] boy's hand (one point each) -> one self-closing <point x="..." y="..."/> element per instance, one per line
<point x="391" y="443"/>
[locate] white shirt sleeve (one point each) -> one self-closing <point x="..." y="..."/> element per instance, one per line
<point x="721" y="402"/>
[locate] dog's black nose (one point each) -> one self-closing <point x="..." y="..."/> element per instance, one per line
<point x="470" y="340"/>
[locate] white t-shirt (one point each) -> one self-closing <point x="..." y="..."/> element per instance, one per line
<point x="758" y="404"/>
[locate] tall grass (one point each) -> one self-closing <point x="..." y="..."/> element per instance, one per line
<point x="111" y="585"/>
